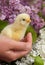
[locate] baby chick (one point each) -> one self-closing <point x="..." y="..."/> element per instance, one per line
<point x="17" y="30"/>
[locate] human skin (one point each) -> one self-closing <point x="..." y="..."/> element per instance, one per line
<point x="11" y="50"/>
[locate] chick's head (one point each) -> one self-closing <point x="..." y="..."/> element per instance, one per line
<point x="23" y="19"/>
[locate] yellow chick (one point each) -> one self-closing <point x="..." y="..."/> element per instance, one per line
<point x="17" y="30"/>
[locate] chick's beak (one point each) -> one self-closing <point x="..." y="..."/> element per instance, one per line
<point x="28" y="20"/>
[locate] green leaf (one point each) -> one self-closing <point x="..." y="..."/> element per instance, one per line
<point x="43" y="18"/>
<point x="34" y="34"/>
<point x="40" y="14"/>
<point x="43" y="5"/>
<point x="38" y="61"/>
<point x="3" y="24"/>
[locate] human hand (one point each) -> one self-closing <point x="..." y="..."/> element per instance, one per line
<point x="11" y="50"/>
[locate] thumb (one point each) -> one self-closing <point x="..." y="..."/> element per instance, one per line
<point x="28" y="38"/>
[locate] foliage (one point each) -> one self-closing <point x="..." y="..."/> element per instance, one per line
<point x="38" y="61"/>
<point x="3" y="24"/>
<point x="34" y="34"/>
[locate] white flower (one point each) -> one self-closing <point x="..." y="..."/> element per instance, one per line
<point x="41" y="44"/>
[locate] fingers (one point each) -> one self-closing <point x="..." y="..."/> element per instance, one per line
<point x="10" y="44"/>
<point x="19" y="46"/>
<point x="11" y="56"/>
<point x="22" y="45"/>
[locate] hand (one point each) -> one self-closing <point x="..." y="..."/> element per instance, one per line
<point x="11" y="50"/>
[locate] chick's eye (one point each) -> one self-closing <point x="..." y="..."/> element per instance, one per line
<point x="23" y="19"/>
